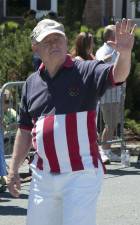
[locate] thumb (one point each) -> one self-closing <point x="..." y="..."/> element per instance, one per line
<point x="112" y="44"/>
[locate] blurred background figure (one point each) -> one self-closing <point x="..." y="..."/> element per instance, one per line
<point x="10" y="115"/>
<point x="2" y="160"/>
<point x="84" y="45"/>
<point x="110" y="103"/>
<point x="52" y="15"/>
<point x="8" y="125"/>
<point x="3" y="172"/>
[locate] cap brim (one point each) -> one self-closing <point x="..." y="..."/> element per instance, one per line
<point x="46" y="33"/>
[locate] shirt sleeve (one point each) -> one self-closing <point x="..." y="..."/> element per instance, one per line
<point x="103" y="77"/>
<point x="97" y="75"/>
<point x="24" y="119"/>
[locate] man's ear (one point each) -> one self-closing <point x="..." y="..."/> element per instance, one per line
<point x="34" y="48"/>
<point x="67" y="40"/>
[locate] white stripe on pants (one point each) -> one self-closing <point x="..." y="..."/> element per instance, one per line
<point x="64" y="199"/>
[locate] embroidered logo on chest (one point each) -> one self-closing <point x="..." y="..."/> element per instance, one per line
<point x="74" y="91"/>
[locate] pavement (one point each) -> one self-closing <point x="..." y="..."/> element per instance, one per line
<point x="119" y="202"/>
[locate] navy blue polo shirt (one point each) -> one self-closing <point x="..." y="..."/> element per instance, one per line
<point x="76" y="87"/>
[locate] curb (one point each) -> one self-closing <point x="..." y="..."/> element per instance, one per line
<point x="134" y="149"/>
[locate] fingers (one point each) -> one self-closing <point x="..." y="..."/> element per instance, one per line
<point x="125" y="26"/>
<point x="118" y="29"/>
<point x="133" y="29"/>
<point x="129" y="25"/>
<point x="13" y="183"/>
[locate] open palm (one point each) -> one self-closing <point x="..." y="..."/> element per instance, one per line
<point x="124" y="36"/>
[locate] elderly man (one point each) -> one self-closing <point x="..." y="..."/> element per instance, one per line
<point x="57" y="114"/>
<point x="111" y="101"/>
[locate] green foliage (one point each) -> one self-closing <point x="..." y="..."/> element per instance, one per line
<point x="133" y="125"/>
<point x="99" y="33"/>
<point x="129" y="101"/>
<point x="135" y="85"/>
<point x="84" y="28"/>
<point x="73" y="11"/>
<point x="98" y="37"/>
<point x="9" y="26"/>
<point x="71" y="33"/>
<point x="133" y="82"/>
<point x="2" y="27"/>
<point x="15" y="55"/>
<point x="29" y="23"/>
<point x="136" y="44"/>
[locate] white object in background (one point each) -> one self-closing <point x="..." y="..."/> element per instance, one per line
<point x="125" y="158"/>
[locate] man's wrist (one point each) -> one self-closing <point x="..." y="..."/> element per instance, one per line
<point x="12" y="177"/>
<point x="125" y="54"/>
<point x="13" y="171"/>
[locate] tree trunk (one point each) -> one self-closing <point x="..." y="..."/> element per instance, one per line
<point x="92" y="15"/>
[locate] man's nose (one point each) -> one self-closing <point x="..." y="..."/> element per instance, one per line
<point x="53" y="43"/>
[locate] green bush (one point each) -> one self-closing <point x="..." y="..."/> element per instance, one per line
<point x="136" y="86"/>
<point x="133" y="125"/>
<point x="73" y="11"/>
<point x="9" y="26"/>
<point x="99" y="37"/>
<point x="133" y="82"/>
<point x="84" y="28"/>
<point x="137" y="44"/>
<point x="15" y="56"/>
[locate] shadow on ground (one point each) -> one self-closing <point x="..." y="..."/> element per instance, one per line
<point x="133" y="170"/>
<point x="7" y="195"/>
<point x="12" y="210"/>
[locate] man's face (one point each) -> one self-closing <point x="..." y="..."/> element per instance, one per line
<point x="53" y="48"/>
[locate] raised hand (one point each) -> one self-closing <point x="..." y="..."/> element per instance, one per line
<point x="124" y="36"/>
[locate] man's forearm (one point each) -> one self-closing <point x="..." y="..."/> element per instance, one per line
<point x="21" y="147"/>
<point x="122" y="67"/>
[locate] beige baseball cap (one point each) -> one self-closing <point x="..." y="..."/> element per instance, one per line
<point x="46" y="27"/>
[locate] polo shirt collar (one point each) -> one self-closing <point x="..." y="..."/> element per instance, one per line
<point x="67" y="64"/>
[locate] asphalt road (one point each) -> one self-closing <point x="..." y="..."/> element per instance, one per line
<point x="119" y="202"/>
